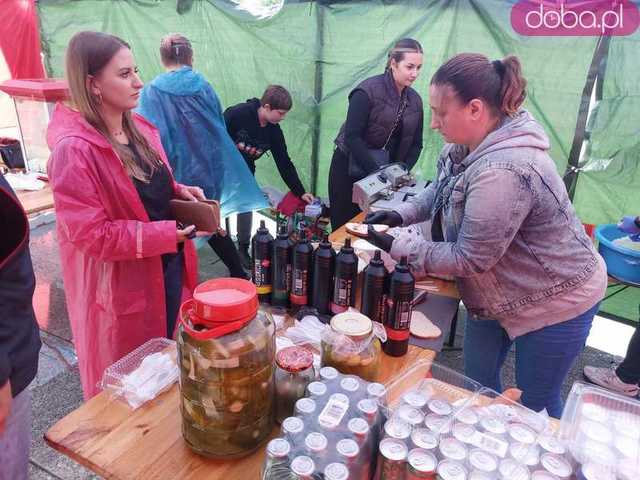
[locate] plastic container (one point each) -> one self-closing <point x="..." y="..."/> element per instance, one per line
<point x="338" y="425"/>
<point x="281" y="268"/>
<point x="467" y="428"/>
<point x="301" y="271"/>
<point x="226" y="371"/>
<point x="351" y="346"/>
<point x="622" y="263"/>
<point x="374" y="289"/>
<point x="261" y="247"/>
<point x="508" y="433"/>
<point x="345" y="280"/>
<point x="118" y="381"/>
<point x="399" y="308"/>
<point x="602" y="432"/>
<point x="313" y="210"/>
<point x="430" y="379"/>
<point x="324" y="265"/>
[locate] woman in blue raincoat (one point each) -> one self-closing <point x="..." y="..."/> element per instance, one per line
<point x="187" y="111"/>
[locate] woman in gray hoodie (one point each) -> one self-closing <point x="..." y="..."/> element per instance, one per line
<point x="503" y="226"/>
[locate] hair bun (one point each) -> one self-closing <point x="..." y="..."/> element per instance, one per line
<point x="499" y="67"/>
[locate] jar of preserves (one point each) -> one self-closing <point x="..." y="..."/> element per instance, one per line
<point x="351" y="346"/>
<point x="226" y="349"/>
<point x="294" y="372"/>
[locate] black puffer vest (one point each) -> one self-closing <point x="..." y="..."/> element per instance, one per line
<point x="384" y="101"/>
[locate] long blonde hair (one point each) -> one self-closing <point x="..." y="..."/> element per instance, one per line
<point x="87" y="54"/>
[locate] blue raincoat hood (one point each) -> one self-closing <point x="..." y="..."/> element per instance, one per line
<point x="183" y="81"/>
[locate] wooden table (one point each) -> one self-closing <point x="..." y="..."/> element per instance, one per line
<point x="116" y="443"/>
<point x="36" y="201"/>
<point x="433" y="285"/>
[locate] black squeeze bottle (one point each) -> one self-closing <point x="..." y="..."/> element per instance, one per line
<point x="281" y="268"/>
<point x="324" y="264"/>
<point x="374" y="289"/>
<point x="345" y="282"/>
<point x="399" y="308"/>
<point x="301" y="272"/>
<point x="261" y="245"/>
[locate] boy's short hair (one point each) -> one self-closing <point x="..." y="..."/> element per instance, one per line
<point x="277" y="97"/>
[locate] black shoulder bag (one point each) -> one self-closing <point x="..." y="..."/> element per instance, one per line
<point x="379" y="155"/>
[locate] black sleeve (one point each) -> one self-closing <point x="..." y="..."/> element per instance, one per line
<point x="355" y="126"/>
<point x="416" y="147"/>
<point x="19" y="333"/>
<point x="232" y="120"/>
<point x="285" y="166"/>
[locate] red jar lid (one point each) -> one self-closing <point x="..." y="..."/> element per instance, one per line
<point x="224" y="300"/>
<point x="294" y="359"/>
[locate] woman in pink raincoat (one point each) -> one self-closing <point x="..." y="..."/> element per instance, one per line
<point x="126" y="265"/>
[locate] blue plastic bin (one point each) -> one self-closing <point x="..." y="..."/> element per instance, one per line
<point x="622" y="263"/>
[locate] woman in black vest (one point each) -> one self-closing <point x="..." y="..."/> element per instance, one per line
<point x="384" y="112"/>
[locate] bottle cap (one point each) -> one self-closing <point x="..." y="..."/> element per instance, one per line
<point x="377" y="259"/>
<point x="352" y="324"/>
<point x="347" y="248"/>
<point x="294" y="359"/>
<point x="325" y="243"/>
<point x="302" y="238"/>
<point x="263" y="227"/>
<point x="403" y="265"/>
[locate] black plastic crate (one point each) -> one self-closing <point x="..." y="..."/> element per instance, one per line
<point x="11" y="152"/>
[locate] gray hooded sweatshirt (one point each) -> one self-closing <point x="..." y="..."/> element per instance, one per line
<point x="510" y="236"/>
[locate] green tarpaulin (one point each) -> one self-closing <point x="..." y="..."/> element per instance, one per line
<point x="320" y="49"/>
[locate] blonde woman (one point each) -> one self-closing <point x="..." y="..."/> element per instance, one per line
<point x="126" y="265"/>
<point x="385" y="113"/>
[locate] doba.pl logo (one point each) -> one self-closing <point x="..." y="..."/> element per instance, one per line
<point x="575" y="18"/>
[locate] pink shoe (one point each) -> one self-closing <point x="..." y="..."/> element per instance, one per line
<point x="607" y="378"/>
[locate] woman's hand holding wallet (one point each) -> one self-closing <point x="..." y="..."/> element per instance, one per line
<point x="192" y="193"/>
<point x="203" y="214"/>
<point x="186" y="233"/>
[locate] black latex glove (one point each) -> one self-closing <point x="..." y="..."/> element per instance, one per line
<point x="381" y="240"/>
<point x="384" y="217"/>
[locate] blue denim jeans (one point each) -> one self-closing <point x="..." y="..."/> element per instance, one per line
<point x="543" y="357"/>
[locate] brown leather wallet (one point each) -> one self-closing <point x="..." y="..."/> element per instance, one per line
<point x="204" y="214"/>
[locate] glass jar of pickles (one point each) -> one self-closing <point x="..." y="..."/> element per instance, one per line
<point x="351" y="347"/>
<point x="226" y="349"/>
<point x="293" y="373"/>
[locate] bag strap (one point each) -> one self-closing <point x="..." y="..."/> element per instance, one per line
<point x="401" y="108"/>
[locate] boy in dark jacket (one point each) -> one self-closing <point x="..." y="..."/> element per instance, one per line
<point x="253" y="126"/>
<point x="19" y="336"/>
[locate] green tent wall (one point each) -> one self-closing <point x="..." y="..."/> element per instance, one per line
<point x="320" y="49"/>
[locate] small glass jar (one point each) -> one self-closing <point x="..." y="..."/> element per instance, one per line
<point x="293" y="373"/>
<point x="361" y="355"/>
